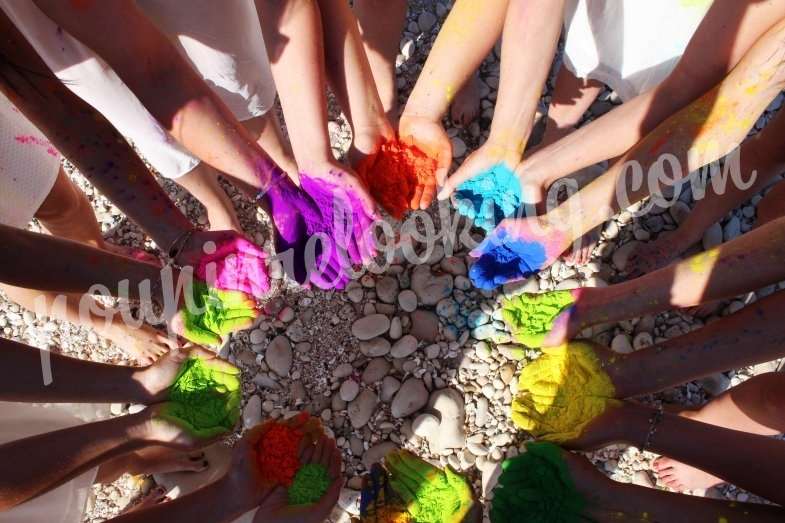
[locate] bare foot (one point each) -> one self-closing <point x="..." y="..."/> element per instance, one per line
<point x="154" y="497"/>
<point x="144" y="343"/>
<point x="162" y="460"/>
<point x="680" y="477"/>
<point x="648" y="257"/>
<point x="582" y="249"/>
<point x="466" y="104"/>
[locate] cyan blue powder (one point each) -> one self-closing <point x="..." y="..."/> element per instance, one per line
<point x="490" y="197"/>
<point x="507" y="261"/>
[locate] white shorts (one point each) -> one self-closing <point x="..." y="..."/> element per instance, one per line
<point x="28" y="167"/>
<point x="221" y="39"/>
<point x="64" y="504"/>
<point x="630" y="46"/>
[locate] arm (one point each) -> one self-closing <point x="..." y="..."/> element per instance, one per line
<point x="750" y="336"/>
<point x="86" y="138"/>
<point x="165" y="83"/>
<point x="728" y="30"/>
<point x="34" y="465"/>
<point x="531" y="32"/>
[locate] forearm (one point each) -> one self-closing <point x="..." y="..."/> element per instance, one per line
<point x="34" y="465"/>
<point x="531" y="32"/>
<point x="757" y="463"/>
<point x="215" y="502"/>
<point x="165" y="84"/>
<point x="699" y="134"/>
<point x="469" y="33"/>
<point x="72" y="380"/>
<point x="86" y="138"/>
<point x="348" y="70"/>
<point x="294" y="40"/>
<point x="753" y="335"/>
<point x="720" y="273"/>
<point x="43" y="262"/>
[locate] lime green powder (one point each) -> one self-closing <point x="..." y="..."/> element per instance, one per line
<point x="217" y="314"/>
<point x="204" y="398"/>
<point x="309" y="485"/>
<point x="536" y="487"/>
<point x="439" y="500"/>
<point x="530" y="316"/>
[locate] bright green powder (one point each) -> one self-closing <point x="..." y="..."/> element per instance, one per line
<point x="440" y="500"/>
<point x="309" y="485"/>
<point x="205" y="397"/>
<point x="216" y="314"/>
<point x="536" y="487"/>
<point x="530" y="316"/>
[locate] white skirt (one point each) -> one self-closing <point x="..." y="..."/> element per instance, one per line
<point x="28" y="166"/>
<point x="222" y="40"/>
<point x="629" y="45"/>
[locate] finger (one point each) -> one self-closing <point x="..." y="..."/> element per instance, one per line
<point x="202" y="336"/>
<point x="443" y="161"/>
<point x="236" y="324"/>
<point x="415" y="201"/>
<point x="194" y="351"/>
<point x="429" y="191"/>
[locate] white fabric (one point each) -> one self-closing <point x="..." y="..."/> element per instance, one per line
<point x="221" y="39"/>
<point x="28" y="166"/>
<point x="66" y="503"/>
<point x="632" y="45"/>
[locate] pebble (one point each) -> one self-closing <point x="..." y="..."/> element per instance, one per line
<point x="362" y="407"/>
<point x="458" y="147"/>
<point x="376" y="453"/>
<point x="407" y="300"/>
<point x="396" y="328"/>
<point x="252" y="412"/>
<point x="278" y="356"/>
<point x="426" y="21"/>
<point x="425" y="425"/>
<point x="343" y="370"/>
<point x="679" y="211"/>
<point x="404" y="347"/>
<point x="257" y="336"/>
<point x="453" y="265"/>
<point x="411" y="397"/>
<point x="355" y="292"/>
<point x="622" y="254"/>
<point x="375" y="347"/>
<point x="448" y="403"/>
<point x="349" y="390"/>
<point x="481" y="415"/>
<point x="430" y="288"/>
<point x="712" y="237"/>
<point x="370" y="326"/>
<point x="642" y="340"/>
<point x="425" y="325"/>
<point x="387" y="289"/>
<point x="390" y="386"/>
<point x="376" y="370"/>
<point x="732" y="229"/>
<point x="621" y="344"/>
<point x="715" y="384"/>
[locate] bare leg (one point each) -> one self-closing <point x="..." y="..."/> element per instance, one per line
<point x="144" y="343"/>
<point x="756" y="406"/>
<point x="202" y="183"/>
<point x="466" y="105"/>
<point x="267" y="131"/>
<point x="381" y="24"/>
<point x="151" y="460"/>
<point x="572" y="97"/>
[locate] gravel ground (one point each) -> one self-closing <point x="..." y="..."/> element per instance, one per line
<point x="417" y="359"/>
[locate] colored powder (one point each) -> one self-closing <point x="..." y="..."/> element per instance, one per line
<point x="278" y="453"/>
<point x="704" y="262"/>
<point x="536" y="487"/>
<point x="309" y="484"/>
<point x="237" y="265"/>
<point x="530" y="316"/>
<point x="29" y="139"/>
<point x="490" y="197"/>
<point x="216" y="313"/>
<point x="561" y="392"/>
<point x="393" y="174"/>
<point x="507" y="260"/>
<point x="205" y="397"/>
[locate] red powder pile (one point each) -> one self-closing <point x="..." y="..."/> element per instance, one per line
<point x="393" y="174"/>
<point x="278" y="453"/>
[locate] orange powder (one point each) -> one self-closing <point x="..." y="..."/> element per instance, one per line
<point x="393" y="174"/>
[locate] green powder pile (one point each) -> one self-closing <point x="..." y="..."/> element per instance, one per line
<point x="439" y="500"/>
<point x="309" y="485"/>
<point x="205" y="397"/>
<point x="215" y="314"/>
<point x="536" y="487"/>
<point x="530" y="316"/>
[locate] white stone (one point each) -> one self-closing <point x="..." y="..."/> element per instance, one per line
<point x="425" y="425"/>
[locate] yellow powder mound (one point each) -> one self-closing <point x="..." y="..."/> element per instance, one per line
<point x="561" y="392"/>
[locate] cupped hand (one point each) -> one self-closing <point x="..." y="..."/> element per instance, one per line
<point x="207" y="315"/>
<point x="483" y="159"/>
<point x="157" y="430"/>
<point x="227" y="261"/>
<point x="276" y="508"/>
<point x="430" y="137"/>
<point x="515" y="249"/>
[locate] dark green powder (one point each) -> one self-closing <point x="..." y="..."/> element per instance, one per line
<point x="309" y="485"/>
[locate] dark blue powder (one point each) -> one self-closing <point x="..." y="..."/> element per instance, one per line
<point x="507" y="261"/>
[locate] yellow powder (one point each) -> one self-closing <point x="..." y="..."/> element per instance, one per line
<point x="704" y="262"/>
<point x="561" y="392"/>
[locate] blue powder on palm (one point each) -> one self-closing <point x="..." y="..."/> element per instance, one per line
<point x="490" y="197"/>
<point x="505" y="262"/>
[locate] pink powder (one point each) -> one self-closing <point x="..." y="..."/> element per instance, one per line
<point x="29" y="139"/>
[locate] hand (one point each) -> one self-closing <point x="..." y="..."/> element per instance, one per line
<point x="276" y="508"/>
<point x="480" y="161"/>
<point x="541" y="319"/>
<point x="516" y="249"/>
<point x="158" y="377"/>
<point x="408" y="474"/>
<point x="156" y="430"/>
<point x="624" y="422"/>
<point x="226" y="260"/>
<point x="429" y="136"/>
<point x="206" y="314"/>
